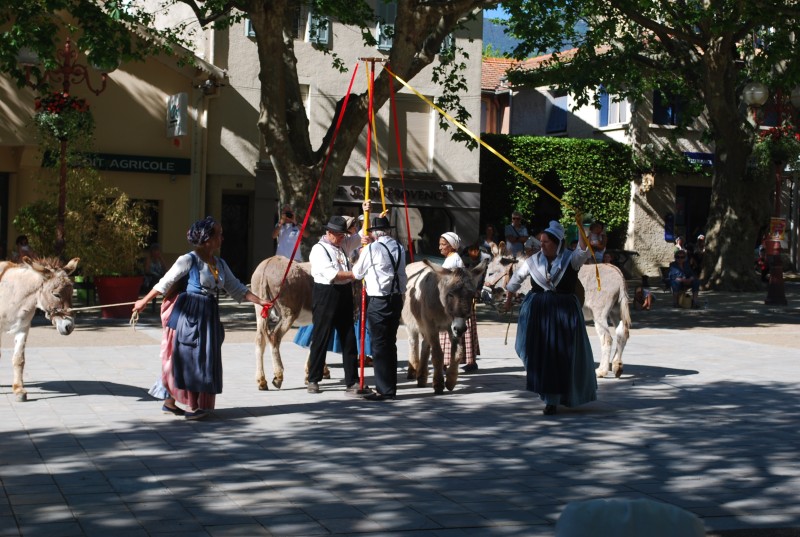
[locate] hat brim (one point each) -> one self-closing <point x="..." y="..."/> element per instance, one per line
<point x="379" y="227"/>
<point x="335" y="229"/>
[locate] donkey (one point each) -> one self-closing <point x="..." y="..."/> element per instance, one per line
<point x="294" y="305"/>
<point x="437" y="300"/>
<point x="607" y="307"/>
<point x="34" y="283"/>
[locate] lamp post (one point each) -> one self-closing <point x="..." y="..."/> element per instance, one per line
<point x="67" y="72"/>
<point x="755" y="94"/>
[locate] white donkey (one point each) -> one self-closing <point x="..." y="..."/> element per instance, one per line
<point x="607" y="306"/>
<point x="34" y="283"/>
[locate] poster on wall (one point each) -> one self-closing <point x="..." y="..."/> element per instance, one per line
<point x="777" y="231"/>
<point x="177" y="115"/>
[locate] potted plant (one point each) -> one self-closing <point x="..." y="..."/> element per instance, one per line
<point x="103" y="227"/>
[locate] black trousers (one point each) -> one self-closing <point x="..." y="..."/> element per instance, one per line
<point x="383" y="319"/>
<point x="332" y="307"/>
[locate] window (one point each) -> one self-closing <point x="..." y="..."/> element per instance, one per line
<point x="387" y="13"/>
<point x="306" y="26"/>
<point x="557" y="114"/>
<point x="415" y="123"/>
<point x="248" y="28"/>
<point x="667" y="108"/>
<point x="611" y="112"/>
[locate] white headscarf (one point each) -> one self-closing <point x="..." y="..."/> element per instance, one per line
<point x="452" y="239"/>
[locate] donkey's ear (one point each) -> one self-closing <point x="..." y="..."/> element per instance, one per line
<point x="434" y="267"/>
<point x="477" y="271"/>
<point x="70" y="267"/>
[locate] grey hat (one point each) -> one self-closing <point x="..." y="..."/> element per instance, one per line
<point x="379" y="222"/>
<point x="337" y="224"/>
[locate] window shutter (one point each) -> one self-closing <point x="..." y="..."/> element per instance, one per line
<point x="557" y="120"/>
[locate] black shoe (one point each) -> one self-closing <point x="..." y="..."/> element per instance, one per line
<point x="379" y="397"/>
<point x="470" y="368"/>
<point x="172" y="410"/>
<point x="313" y="387"/>
<point x="549" y="410"/>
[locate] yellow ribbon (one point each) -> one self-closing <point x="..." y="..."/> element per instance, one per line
<point x="492" y="150"/>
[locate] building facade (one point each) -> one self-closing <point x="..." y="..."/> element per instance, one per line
<point x="220" y="165"/>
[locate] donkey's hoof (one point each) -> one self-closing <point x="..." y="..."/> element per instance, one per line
<point x="618" y="371"/>
<point x="450" y="386"/>
<point x="262" y="385"/>
<point x="326" y="374"/>
<point x="438" y="390"/>
<point x="277" y="382"/>
<point x="601" y="374"/>
<point x="412" y="373"/>
<point x="21" y="397"/>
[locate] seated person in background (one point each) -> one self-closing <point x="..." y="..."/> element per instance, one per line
<point x="608" y="257"/>
<point x="762" y="266"/>
<point x="643" y="298"/>
<point x="598" y="240"/>
<point x="681" y="276"/>
<point x="697" y="254"/>
<point x="680" y="244"/>
<point x="23" y="249"/>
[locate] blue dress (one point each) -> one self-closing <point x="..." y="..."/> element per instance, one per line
<point x="552" y="340"/>
<point x="305" y="334"/>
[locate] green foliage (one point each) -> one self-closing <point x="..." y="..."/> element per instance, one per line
<point x="59" y="116"/>
<point x="593" y="176"/>
<point x="103" y="226"/>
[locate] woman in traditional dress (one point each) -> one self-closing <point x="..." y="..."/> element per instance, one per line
<point x="551" y="331"/>
<point x="449" y="244"/>
<point x="191" y="347"/>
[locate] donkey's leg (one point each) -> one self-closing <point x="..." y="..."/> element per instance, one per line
<point x="18" y="362"/>
<point x="413" y="353"/>
<point x="424" y="359"/>
<point x="604" y="331"/>
<point x="457" y="350"/>
<point x="622" y="340"/>
<point x="277" y="361"/>
<point x="261" y="343"/>
<point x="437" y="359"/>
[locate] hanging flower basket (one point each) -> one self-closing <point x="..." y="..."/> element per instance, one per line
<point x="781" y="144"/>
<point x="63" y="117"/>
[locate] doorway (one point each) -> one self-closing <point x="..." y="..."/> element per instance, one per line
<point x="691" y="211"/>
<point x="236" y="224"/>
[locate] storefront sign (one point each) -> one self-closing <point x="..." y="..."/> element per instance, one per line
<point x="703" y="159"/>
<point x="140" y="164"/>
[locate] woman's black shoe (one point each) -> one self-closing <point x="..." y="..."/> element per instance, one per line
<point x="549" y="410"/>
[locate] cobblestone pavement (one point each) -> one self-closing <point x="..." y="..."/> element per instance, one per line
<point x="704" y="417"/>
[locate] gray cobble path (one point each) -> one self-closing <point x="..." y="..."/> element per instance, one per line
<point x="704" y="417"/>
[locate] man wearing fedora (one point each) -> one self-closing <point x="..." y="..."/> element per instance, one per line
<point x="332" y="302"/>
<point x="382" y="265"/>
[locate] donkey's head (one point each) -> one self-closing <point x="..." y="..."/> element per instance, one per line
<point x="54" y="295"/>
<point x="457" y="290"/>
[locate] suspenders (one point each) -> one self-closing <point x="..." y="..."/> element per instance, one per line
<point x="395" y="266"/>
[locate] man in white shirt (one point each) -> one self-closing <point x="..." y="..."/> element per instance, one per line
<point x="286" y="232"/>
<point x="382" y="266"/>
<point x="332" y="302"/>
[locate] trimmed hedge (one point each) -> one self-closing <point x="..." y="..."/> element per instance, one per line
<point x="593" y="176"/>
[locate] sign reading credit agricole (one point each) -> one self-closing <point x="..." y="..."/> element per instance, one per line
<point x="141" y="164"/>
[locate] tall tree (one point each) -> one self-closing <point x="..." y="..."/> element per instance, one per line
<point x="419" y="30"/>
<point x="702" y="51"/>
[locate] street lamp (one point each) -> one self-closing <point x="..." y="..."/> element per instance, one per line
<point x="67" y="72"/>
<point x="755" y="94"/>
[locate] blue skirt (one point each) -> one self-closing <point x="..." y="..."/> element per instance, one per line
<point x="197" y="352"/>
<point x="553" y="344"/>
<point x="305" y="334"/>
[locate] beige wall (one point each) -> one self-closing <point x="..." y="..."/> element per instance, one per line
<point x="130" y="118"/>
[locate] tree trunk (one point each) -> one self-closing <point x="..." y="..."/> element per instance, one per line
<point x="738" y="197"/>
